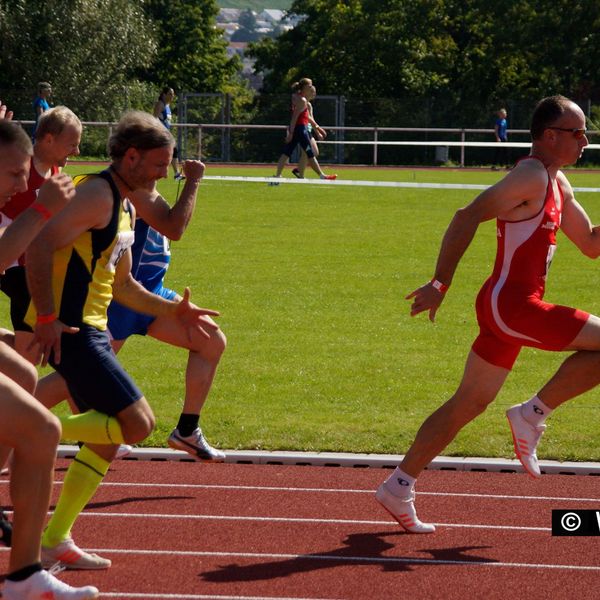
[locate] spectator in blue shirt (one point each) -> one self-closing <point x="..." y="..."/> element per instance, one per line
<point x="40" y="103"/>
<point x="500" y="132"/>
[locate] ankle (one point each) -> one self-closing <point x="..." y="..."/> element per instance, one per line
<point x="534" y="411"/>
<point x="400" y="483"/>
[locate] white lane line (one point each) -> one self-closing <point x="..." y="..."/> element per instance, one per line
<point x="213" y="486"/>
<point x="349" y="558"/>
<point x="199" y="596"/>
<point x="257" y="519"/>
<point x="299" y="520"/>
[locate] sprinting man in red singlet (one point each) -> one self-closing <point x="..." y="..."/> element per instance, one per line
<point x="529" y="205"/>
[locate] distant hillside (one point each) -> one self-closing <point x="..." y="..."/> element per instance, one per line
<point x="256" y="5"/>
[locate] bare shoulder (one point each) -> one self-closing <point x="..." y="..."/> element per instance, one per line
<point x="94" y="189"/>
<point x="564" y="183"/>
<point x="299" y="101"/>
<point x="92" y="203"/>
<point x="529" y="177"/>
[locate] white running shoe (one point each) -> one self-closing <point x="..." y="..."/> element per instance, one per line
<point x="525" y="439"/>
<point x="403" y="510"/>
<point x="70" y="556"/>
<point x="196" y="445"/>
<point x="44" y="586"/>
<point x="123" y="451"/>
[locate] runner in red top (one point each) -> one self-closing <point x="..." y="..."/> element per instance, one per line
<point x="19" y="202"/>
<point x="298" y="131"/>
<point x="530" y="204"/>
<point x="510" y="309"/>
<point x="57" y="138"/>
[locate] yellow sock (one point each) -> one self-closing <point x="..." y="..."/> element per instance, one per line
<point x="83" y="477"/>
<point x="92" y="427"/>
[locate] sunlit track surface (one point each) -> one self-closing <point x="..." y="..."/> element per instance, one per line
<point x="194" y="531"/>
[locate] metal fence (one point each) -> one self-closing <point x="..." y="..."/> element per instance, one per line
<point x="223" y="143"/>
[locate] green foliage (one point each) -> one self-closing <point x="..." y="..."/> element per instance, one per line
<point x="89" y="50"/>
<point x="191" y="50"/>
<point x="463" y="56"/>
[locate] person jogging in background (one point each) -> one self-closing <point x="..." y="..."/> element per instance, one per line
<point x="298" y="131"/>
<point x="529" y="204"/>
<point x="315" y="132"/>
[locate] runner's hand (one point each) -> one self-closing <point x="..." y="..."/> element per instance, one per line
<point x="193" y="169"/>
<point x="425" y="298"/>
<point x="47" y="336"/>
<point x="56" y="192"/>
<point x="4" y="112"/>
<point x="194" y="318"/>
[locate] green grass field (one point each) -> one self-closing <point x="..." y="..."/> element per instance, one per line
<point x="322" y="353"/>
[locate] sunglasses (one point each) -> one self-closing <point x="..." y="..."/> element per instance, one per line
<point x="577" y="133"/>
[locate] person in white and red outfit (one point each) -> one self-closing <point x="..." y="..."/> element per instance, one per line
<point x="529" y="205"/>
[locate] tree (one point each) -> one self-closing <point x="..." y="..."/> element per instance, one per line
<point x="460" y="56"/>
<point x="192" y="53"/>
<point x="89" y="50"/>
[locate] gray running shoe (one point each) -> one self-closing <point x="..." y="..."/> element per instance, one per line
<point x="195" y="445"/>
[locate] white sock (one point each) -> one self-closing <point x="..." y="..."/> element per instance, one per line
<point x="535" y="411"/>
<point x="399" y="483"/>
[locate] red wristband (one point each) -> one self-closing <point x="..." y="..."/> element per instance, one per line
<point x="42" y="210"/>
<point x="44" y="319"/>
<point x="439" y="286"/>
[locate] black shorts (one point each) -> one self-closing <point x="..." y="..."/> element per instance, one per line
<point x="302" y="137"/>
<point x="14" y="284"/>
<point x="93" y="374"/>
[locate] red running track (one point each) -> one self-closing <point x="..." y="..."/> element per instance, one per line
<point x="192" y="531"/>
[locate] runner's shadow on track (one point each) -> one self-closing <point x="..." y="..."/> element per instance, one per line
<point x="130" y="499"/>
<point x="359" y="549"/>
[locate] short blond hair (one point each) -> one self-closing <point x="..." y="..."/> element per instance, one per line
<point x="55" y="120"/>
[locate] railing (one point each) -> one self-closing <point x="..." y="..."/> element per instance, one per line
<point x="374" y="132"/>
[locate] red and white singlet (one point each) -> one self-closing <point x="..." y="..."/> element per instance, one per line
<point x="510" y="309"/>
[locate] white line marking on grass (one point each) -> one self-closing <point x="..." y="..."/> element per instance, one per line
<point x="366" y="183"/>
<point x="352" y="559"/>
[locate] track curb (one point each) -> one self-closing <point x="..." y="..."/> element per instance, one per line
<point x="342" y="459"/>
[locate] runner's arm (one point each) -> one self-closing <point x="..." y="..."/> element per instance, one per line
<point x="577" y="225"/>
<point x="171" y="221"/>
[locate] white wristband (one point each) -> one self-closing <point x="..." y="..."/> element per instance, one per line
<point x="439" y="286"/>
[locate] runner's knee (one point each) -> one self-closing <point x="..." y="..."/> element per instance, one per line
<point x="45" y="434"/>
<point x="137" y="427"/>
<point x="212" y="349"/>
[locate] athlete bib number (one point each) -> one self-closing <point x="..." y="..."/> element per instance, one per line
<point x="124" y="240"/>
